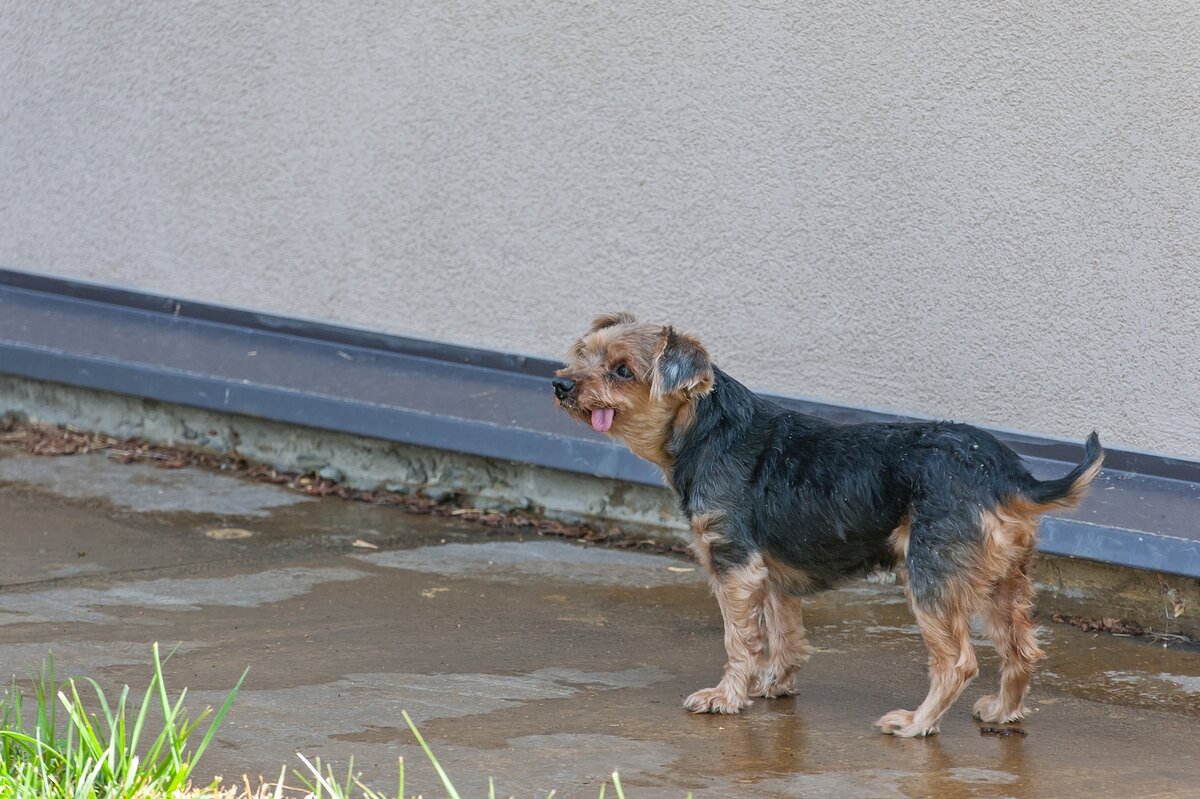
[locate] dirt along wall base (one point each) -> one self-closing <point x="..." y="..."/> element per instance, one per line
<point x="357" y="461"/>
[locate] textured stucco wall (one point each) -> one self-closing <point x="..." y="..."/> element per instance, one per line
<point x="980" y="210"/>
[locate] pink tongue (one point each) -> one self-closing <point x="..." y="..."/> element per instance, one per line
<point x="602" y="419"/>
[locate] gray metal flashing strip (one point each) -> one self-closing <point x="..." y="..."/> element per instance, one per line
<point x="472" y="401"/>
<point x="120" y="299"/>
<point x="342" y="414"/>
<point x="450" y="402"/>
<point x="253" y="320"/>
<point x="1132" y="548"/>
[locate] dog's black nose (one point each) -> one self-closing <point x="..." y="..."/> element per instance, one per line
<point x="563" y="386"/>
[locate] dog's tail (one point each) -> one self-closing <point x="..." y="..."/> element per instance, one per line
<point x="1068" y="491"/>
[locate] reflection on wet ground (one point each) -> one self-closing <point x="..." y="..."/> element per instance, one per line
<point x="541" y="662"/>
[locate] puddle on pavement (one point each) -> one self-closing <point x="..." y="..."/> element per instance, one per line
<point x="145" y="488"/>
<point x="570" y="765"/>
<point x="360" y="713"/>
<point x="859" y="784"/>
<point x="981" y="776"/>
<point x="1131" y="672"/>
<point x="75" y="657"/>
<point x="375" y="700"/>
<point x="1143" y="688"/>
<point x="80" y="604"/>
<point x="558" y="561"/>
<point x="1190" y="685"/>
<point x="544" y="663"/>
<point x="51" y="537"/>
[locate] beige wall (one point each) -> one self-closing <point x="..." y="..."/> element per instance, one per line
<point x="975" y="210"/>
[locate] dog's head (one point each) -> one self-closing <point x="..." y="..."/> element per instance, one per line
<point x="633" y="380"/>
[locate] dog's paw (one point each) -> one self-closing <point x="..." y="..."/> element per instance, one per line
<point x="989" y="709"/>
<point x="714" y="700"/>
<point x="902" y="724"/>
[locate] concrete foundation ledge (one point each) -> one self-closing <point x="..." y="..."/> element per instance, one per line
<point x="357" y="461"/>
<point x="1103" y="596"/>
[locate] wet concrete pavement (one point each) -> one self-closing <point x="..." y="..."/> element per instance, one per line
<point x="543" y="663"/>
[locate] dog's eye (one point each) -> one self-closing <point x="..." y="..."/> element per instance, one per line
<point x="622" y="371"/>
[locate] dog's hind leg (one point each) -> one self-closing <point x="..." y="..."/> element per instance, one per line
<point x="952" y="666"/>
<point x="944" y="587"/>
<point x="1011" y="533"/>
<point x="739" y="591"/>
<point x="1008" y="624"/>
<point x="782" y="626"/>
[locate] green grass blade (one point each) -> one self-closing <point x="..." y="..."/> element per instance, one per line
<point x="349" y="777"/>
<point x="220" y="717"/>
<point x="368" y="793"/>
<point x="45" y="689"/>
<point x="139" y="724"/>
<point x="279" y="785"/>
<point x="617" y="785"/>
<point x="118" y="737"/>
<point x="33" y="745"/>
<point x="110" y="720"/>
<point x="81" y="724"/>
<point x="449" y="786"/>
<point x="168" y="720"/>
<point x="108" y="715"/>
<point x="316" y="771"/>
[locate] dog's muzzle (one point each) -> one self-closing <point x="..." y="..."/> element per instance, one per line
<point x="563" y="387"/>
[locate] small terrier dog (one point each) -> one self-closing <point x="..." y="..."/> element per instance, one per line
<point x="782" y="504"/>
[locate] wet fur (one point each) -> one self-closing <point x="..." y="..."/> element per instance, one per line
<point x="783" y="504"/>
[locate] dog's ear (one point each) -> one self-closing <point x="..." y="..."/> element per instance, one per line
<point x="681" y="366"/>
<point x="609" y="319"/>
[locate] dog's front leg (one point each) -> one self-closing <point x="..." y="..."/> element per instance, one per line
<point x="739" y="591"/>
<point x="782" y="626"/>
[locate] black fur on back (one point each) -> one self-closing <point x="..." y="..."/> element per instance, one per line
<point x="824" y="498"/>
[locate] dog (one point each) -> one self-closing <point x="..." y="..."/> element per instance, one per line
<point x="782" y="504"/>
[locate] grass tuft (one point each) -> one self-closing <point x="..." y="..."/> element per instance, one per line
<point x="57" y="749"/>
<point x="100" y="755"/>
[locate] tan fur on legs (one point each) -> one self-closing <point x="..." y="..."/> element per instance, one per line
<point x="782" y="626"/>
<point x="1011" y="531"/>
<point x="952" y="666"/>
<point x="1010" y="628"/>
<point x="739" y="592"/>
